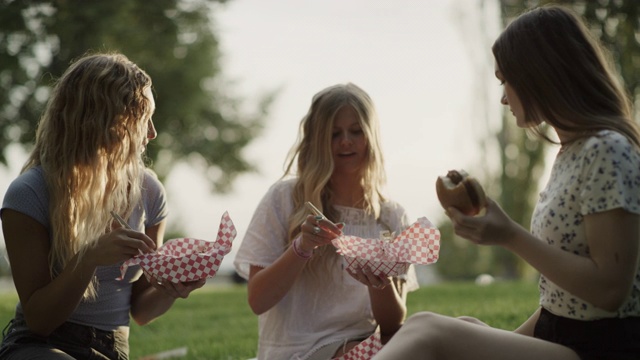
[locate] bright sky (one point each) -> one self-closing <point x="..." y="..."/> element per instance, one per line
<point x="425" y="63"/>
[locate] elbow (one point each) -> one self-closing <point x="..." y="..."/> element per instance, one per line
<point x="258" y="300"/>
<point x="38" y="322"/>
<point x="141" y="321"/>
<point x="141" y="318"/>
<point x="612" y="302"/>
<point x="256" y="305"/>
<point x="613" y="298"/>
<point x="611" y="306"/>
<point x="39" y="328"/>
<point x="257" y="310"/>
<point x="137" y="316"/>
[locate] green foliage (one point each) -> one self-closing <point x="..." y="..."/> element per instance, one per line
<point x="212" y="324"/>
<point x="459" y="260"/>
<point x="216" y="323"/>
<point x="462" y="260"/>
<point x="503" y="305"/>
<point x="197" y="118"/>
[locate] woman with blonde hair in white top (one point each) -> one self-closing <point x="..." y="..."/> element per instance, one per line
<point x="309" y="305"/>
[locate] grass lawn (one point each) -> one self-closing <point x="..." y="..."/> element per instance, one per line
<point x="216" y="322"/>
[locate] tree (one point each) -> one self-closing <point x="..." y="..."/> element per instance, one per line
<point x="197" y="117"/>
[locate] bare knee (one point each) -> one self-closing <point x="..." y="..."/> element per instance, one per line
<point x="427" y="320"/>
<point x="425" y="327"/>
<point x="472" y="320"/>
<point x="433" y="332"/>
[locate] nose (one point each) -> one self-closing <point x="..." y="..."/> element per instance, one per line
<point x="503" y="100"/>
<point x="345" y="138"/>
<point x="151" y="131"/>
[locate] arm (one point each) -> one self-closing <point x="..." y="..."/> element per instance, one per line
<point x="389" y="307"/>
<point x="388" y="299"/>
<point x="267" y="286"/>
<point x="47" y="302"/>
<point x="603" y="279"/>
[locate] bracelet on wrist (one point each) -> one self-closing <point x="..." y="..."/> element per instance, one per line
<point x="295" y="245"/>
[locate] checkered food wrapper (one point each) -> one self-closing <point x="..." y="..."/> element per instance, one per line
<point x="186" y="259"/>
<point x="389" y="256"/>
<point x="365" y="350"/>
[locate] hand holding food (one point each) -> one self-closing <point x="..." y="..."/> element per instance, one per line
<point x="459" y="190"/>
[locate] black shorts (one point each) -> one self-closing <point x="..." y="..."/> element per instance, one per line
<point x="616" y="338"/>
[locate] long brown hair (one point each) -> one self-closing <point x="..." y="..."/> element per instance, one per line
<point x="562" y="75"/>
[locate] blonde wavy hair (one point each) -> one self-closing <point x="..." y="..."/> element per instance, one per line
<point x="313" y="156"/>
<point x="88" y="142"/>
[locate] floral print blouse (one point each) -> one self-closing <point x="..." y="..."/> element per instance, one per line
<point x="591" y="175"/>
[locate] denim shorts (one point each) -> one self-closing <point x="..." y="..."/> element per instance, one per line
<point x="615" y="338"/>
<point x="68" y="341"/>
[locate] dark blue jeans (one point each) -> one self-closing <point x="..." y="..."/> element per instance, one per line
<point x="69" y="341"/>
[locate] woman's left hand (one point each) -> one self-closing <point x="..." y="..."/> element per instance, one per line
<point x="177" y="290"/>
<point x="368" y="278"/>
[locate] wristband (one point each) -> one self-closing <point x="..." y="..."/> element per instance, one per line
<point x="295" y="245"/>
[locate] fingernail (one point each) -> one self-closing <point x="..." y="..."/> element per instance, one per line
<point x="342" y="224"/>
<point x="318" y="217"/>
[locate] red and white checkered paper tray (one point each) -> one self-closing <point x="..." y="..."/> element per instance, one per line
<point x="186" y="259"/>
<point x="417" y="244"/>
<point x="365" y="350"/>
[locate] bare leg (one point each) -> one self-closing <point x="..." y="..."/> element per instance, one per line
<point x="428" y="335"/>
<point x="472" y="320"/>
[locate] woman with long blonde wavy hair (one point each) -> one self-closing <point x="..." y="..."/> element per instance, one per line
<point x="309" y="305"/>
<point x="64" y="247"/>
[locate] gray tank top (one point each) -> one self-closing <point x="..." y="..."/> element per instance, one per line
<point x="28" y="194"/>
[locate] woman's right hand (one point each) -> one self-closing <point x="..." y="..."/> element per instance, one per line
<point x="119" y="245"/>
<point x="495" y="227"/>
<point x="318" y="231"/>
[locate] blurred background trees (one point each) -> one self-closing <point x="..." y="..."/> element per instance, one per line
<point x="522" y="159"/>
<point x="198" y="118"/>
<point x="202" y="122"/>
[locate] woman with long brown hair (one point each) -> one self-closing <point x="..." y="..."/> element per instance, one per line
<point x="585" y="230"/>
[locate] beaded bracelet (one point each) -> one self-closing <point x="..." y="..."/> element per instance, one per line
<point x="299" y="252"/>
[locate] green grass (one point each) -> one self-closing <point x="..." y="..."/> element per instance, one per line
<point x="216" y="322"/>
